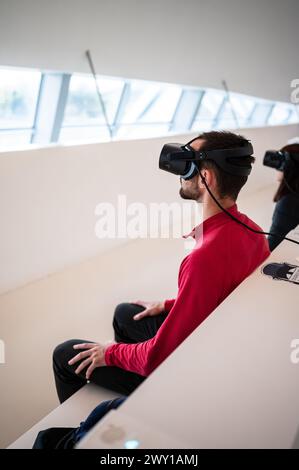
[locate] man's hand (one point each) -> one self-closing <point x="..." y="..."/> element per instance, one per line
<point x="151" y="309"/>
<point x="92" y="356"/>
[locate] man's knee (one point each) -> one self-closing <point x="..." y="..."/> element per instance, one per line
<point x="123" y="314"/>
<point x="64" y="351"/>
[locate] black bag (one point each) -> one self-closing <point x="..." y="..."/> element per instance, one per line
<point x="55" y="438"/>
<point x="66" y="438"/>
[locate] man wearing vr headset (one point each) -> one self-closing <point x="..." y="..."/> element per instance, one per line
<point x="213" y="168"/>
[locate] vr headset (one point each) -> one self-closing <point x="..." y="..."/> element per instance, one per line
<point x="183" y="160"/>
<point x="280" y="160"/>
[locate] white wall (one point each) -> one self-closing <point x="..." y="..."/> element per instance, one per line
<point x="252" y="44"/>
<point x="48" y="197"/>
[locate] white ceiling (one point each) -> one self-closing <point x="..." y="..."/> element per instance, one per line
<point x="252" y="44"/>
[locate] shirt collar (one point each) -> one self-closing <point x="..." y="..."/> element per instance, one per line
<point x="211" y="222"/>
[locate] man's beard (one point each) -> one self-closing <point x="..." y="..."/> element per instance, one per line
<point x="192" y="192"/>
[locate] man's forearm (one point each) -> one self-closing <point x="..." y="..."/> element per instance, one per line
<point x="168" y="304"/>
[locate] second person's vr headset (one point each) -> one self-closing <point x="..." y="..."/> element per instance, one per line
<point x="281" y="160"/>
<point x="183" y="160"/>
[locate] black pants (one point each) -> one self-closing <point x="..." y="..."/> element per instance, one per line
<point x="285" y="218"/>
<point x="126" y="330"/>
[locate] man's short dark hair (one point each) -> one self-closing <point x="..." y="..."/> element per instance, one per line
<point x="228" y="185"/>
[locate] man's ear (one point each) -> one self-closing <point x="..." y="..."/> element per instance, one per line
<point x="203" y="178"/>
<point x="209" y="176"/>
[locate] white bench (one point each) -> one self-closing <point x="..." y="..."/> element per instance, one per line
<point x="69" y="414"/>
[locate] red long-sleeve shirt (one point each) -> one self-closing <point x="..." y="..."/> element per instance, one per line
<point x="224" y="255"/>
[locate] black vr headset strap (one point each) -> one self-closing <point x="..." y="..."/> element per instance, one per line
<point x="236" y="152"/>
<point x="223" y="158"/>
<point x="230" y="153"/>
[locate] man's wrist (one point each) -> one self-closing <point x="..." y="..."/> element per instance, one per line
<point x="106" y="348"/>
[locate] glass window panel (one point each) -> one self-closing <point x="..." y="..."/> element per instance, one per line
<point x="242" y="106"/>
<point x="201" y="126"/>
<point x="226" y="123"/>
<point x="294" y="114"/>
<point x="18" y="97"/>
<point x="226" y="118"/>
<point x="83" y="104"/>
<point x="147" y="111"/>
<point x="84" y="134"/>
<point x="260" y="114"/>
<point x="142" y="96"/>
<point x="163" y="108"/>
<point x="142" y="131"/>
<point x="235" y="112"/>
<point x="280" y="114"/>
<point x="210" y="105"/>
<point x="15" y="138"/>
